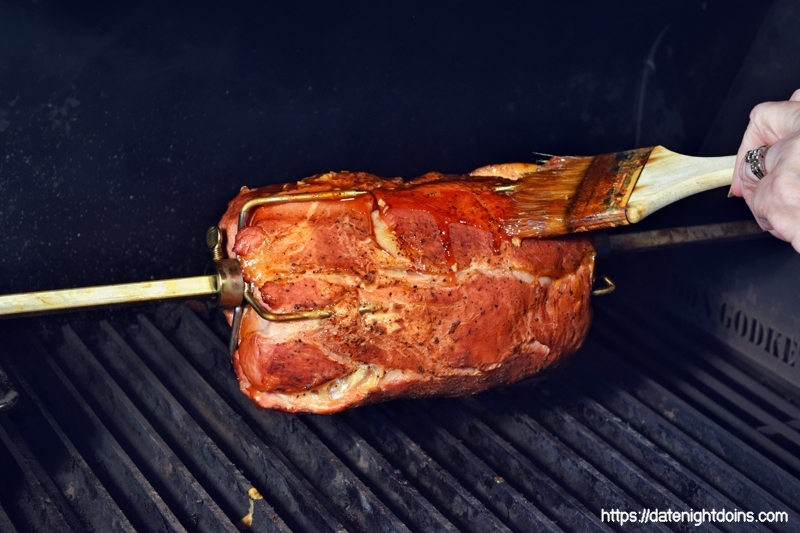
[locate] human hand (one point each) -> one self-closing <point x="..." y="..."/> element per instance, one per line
<point x="775" y="199"/>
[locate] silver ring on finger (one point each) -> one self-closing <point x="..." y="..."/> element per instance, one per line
<point x="755" y="158"/>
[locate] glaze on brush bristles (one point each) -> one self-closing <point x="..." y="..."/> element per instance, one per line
<point x="543" y="198"/>
<point x="574" y="194"/>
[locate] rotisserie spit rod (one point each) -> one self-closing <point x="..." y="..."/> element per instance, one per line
<point x="88" y="297"/>
<point x="223" y="283"/>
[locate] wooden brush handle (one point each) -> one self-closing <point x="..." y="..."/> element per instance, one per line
<point x="668" y="177"/>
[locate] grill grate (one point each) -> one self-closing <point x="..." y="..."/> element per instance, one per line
<point x="137" y="424"/>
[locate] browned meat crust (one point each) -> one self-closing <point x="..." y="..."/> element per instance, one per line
<point x="458" y="306"/>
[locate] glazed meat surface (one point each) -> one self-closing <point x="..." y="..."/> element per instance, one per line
<point x="428" y="294"/>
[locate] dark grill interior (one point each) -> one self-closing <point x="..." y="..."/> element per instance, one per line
<point x="136" y="423"/>
<point x="126" y="130"/>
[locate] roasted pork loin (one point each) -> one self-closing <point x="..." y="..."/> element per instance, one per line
<point x="455" y="305"/>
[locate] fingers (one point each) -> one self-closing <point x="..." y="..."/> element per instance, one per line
<point x="775" y="200"/>
<point x="769" y="122"/>
<point x="775" y="120"/>
<point x="775" y="205"/>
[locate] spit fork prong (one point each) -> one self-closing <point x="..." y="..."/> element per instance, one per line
<point x="248" y="292"/>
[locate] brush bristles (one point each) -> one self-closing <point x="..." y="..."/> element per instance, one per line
<point x="543" y="198"/>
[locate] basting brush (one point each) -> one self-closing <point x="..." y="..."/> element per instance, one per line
<point x="573" y="194"/>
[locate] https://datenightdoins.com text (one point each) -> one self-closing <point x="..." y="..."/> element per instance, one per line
<point x="696" y="517"/>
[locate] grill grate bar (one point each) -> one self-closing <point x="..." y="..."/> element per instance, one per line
<point x="32" y="503"/>
<point x="722" y="390"/>
<point x="190" y="503"/>
<point x="208" y="464"/>
<point x="650" y="366"/>
<point x="130" y="489"/>
<point x="5" y="522"/>
<point x="696" y="432"/>
<point x="516" y="469"/>
<point x="701" y="461"/>
<point x="339" y="486"/>
<point x="686" y="342"/>
<point x="646" y="461"/>
<point x="411" y="506"/>
<point x="431" y="479"/>
<point x="603" y="434"/>
<point x="551" y="455"/>
<point x="345" y="492"/>
<point x="497" y="495"/>
<point x="293" y="499"/>
<point x="8" y="396"/>
<point x="621" y="454"/>
<point x="64" y="464"/>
